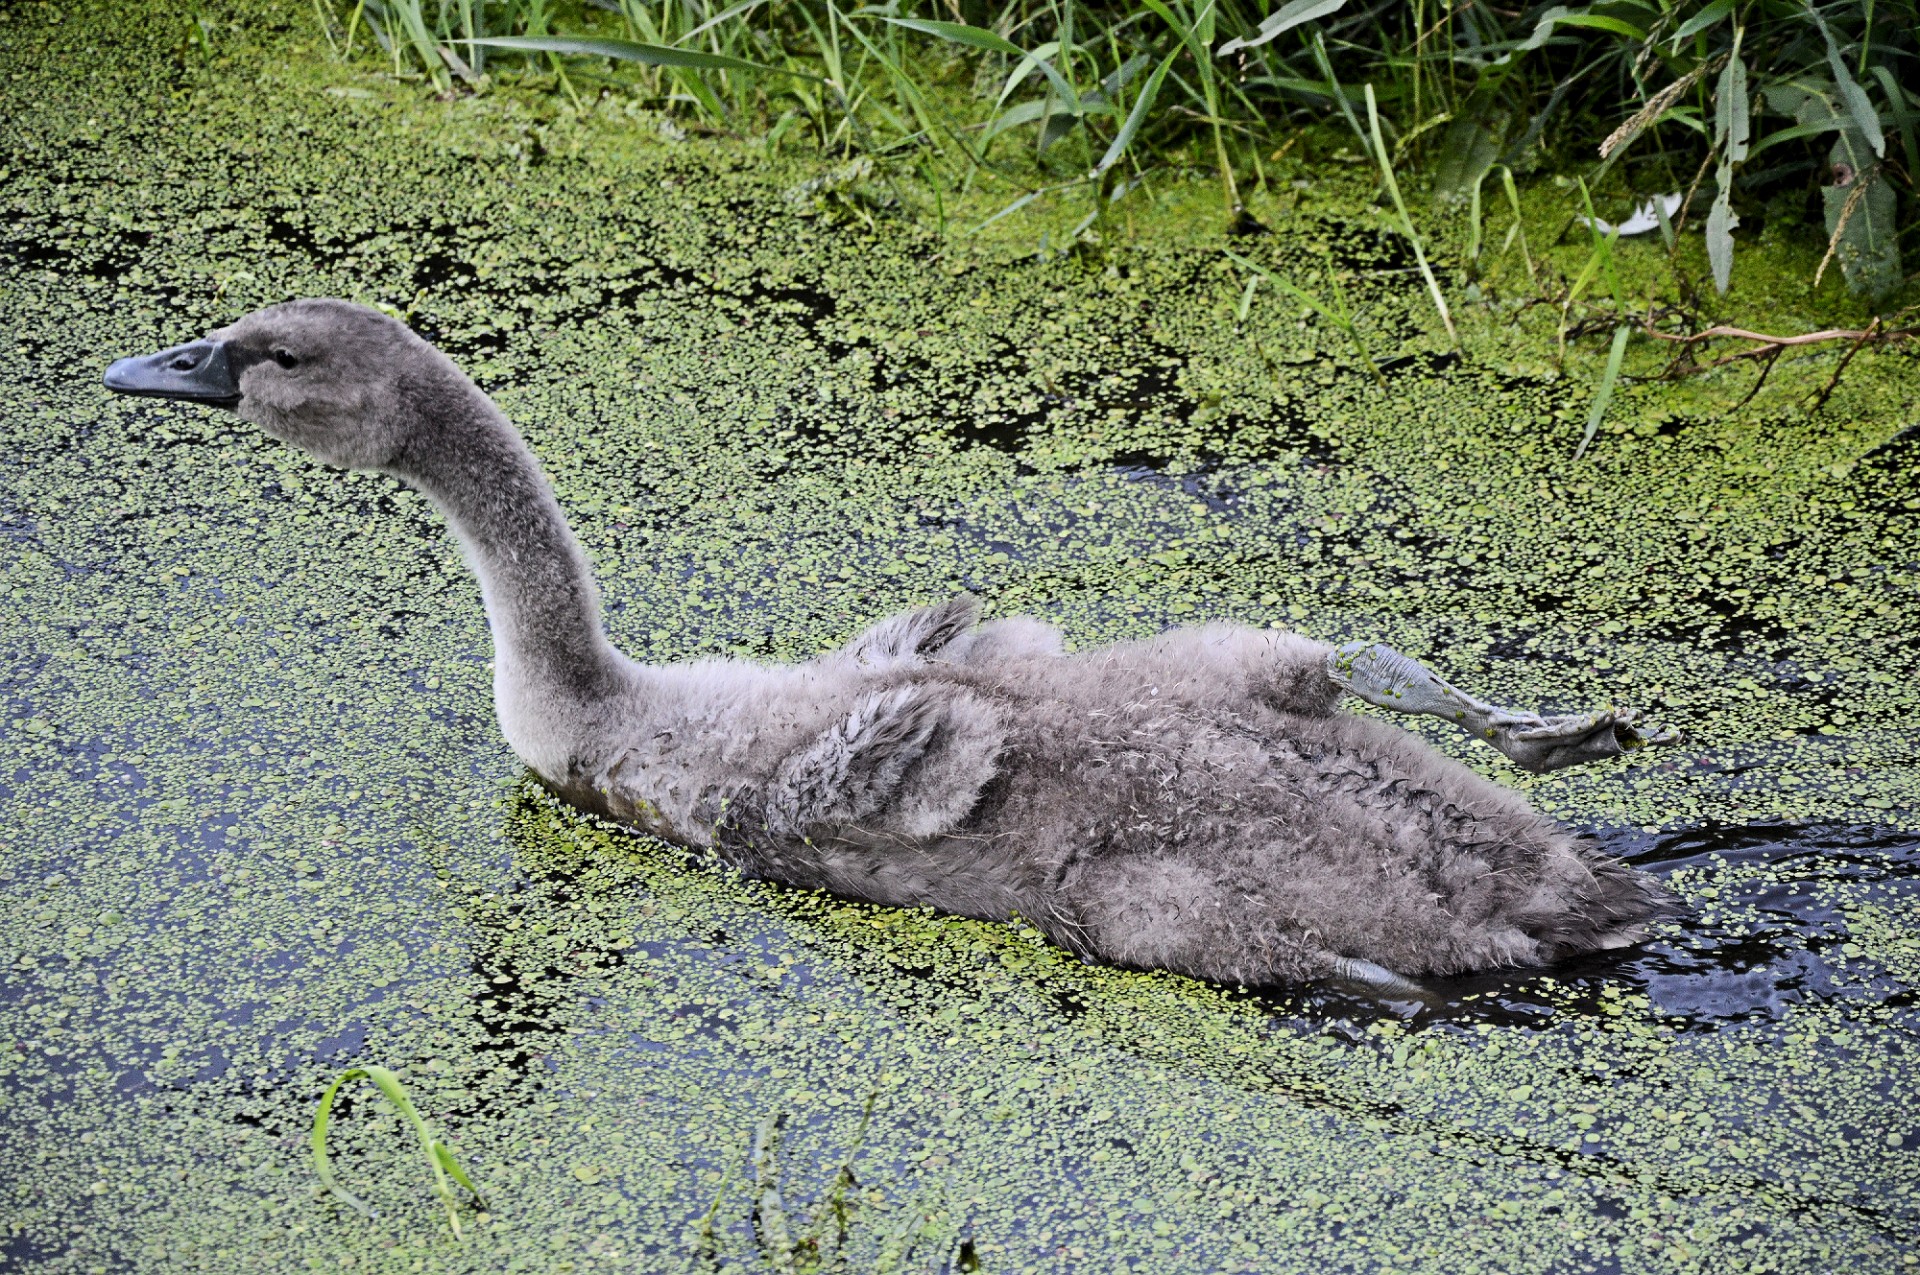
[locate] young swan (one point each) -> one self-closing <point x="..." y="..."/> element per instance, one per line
<point x="1193" y="802"/>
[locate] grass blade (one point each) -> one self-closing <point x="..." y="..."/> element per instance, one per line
<point x="1605" y="393"/>
<point x="1406" y="222"/>
<point x="1602" y="250"/>
<point x="771" y="1210"/>
<point x="1519" y="223"/>
<point x="1333" y="89"/>
<point x="1009" y="210"/>
<point x="745" y="6"/>
<point x="981" y="38"/>
<point x="1135" y="117"/>
<point x="1246" y="299"/>
<point x="1286" y="18"/>
<point x="1198" y="37"/>
<point x="429" y="53"/>
<point x="317" y="1141"/>
<point x="1340" y="314"/>
<point x="632" y="51"/>
<point x="439" y="1156"/>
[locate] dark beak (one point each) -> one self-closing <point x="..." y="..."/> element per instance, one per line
<point x="200" y="372"/>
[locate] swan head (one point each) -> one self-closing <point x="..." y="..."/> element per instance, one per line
<point x="328" y="377"/>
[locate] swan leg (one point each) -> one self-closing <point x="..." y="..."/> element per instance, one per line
<point x="1387" y="679"/>
<point x="1377" y="978"/>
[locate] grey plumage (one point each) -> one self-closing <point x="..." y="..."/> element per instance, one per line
<point x="1195" y="802"/>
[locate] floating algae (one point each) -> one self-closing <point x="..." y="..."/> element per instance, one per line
<point x="257" y="824"/>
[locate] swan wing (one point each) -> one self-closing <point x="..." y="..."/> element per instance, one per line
<point x="914" y="637"/>
<point x="909" y="760"/>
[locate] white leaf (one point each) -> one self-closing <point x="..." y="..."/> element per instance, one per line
<point x="1646" y="217"/>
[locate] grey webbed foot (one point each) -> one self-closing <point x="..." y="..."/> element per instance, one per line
<point x="1385" y="678"/>
<point x="1540" y="744"/>
<point x="1378" y="979"/>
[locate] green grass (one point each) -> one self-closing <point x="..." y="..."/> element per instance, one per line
<point x="1763" y="108"/>
<point x="438" y="1155"/>
<point x="786" y="1239"/>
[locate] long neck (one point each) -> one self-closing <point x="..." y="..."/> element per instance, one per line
<point x="540" y="597"/>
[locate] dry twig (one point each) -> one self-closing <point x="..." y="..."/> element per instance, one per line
<point x="1770" y="348"/>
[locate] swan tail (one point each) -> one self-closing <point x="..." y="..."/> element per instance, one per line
<point x="1615" y="909"/>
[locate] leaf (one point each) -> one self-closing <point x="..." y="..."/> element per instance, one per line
<point x="1286" y="18"/>
<point x="1903" y="116"/>
<point x="1809" y="99"/>
<point x="1135" y="117"/>
<point x="1700" y="21"/>
<point x="1859" y="108"/>
<point x="632" y="51"/>
<point x="1604" y="394"/>
<point x="1467" y="153"/>
<point x="1863" y="237"/>
<point x="1720" y="231"/>
<point x="1732" y="128"/>
<point x="1732" y="113"/>
<point x="1599" y="22"/>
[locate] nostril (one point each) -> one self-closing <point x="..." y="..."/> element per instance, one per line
<point x="184" y="363"/>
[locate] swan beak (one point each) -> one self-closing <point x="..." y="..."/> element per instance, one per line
<point x="199" y="372"/>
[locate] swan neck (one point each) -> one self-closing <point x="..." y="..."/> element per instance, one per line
<point x="540" y="598"/>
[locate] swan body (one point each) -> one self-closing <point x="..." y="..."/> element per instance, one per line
<point x="1196" y="801"/>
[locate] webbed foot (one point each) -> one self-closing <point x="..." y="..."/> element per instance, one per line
<point x="1540" y="744"/>
<point x="1378" y="979"/>
<point x="1385" y="678"/>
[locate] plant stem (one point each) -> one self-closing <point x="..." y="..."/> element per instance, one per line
<point x="1406" y="222"/>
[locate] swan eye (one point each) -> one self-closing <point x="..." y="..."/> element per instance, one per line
<point x="285" y="358"/>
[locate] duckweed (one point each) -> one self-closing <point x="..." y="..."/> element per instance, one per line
<point x="257" y="824"/>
